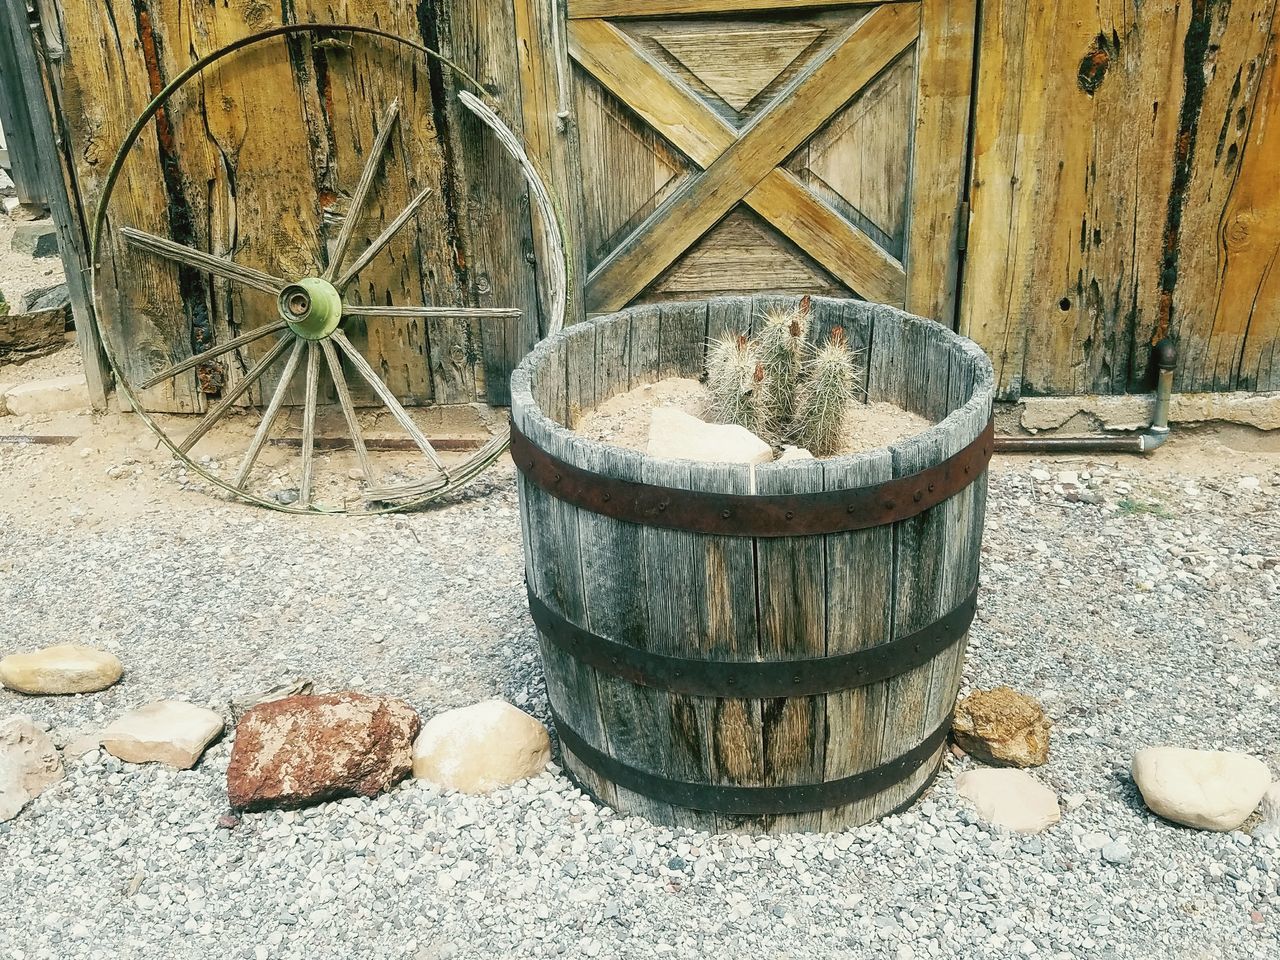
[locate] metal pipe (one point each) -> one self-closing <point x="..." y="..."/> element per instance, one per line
<point x="1165" y="355"/>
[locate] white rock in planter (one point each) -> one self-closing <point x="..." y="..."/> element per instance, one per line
<point x="29" y="763"/>
<point x="480" y="748"/>
<point x="1206" y="789"/>
<point x="1010" y="798"/>
<point x="63" y="669"/>
<point x="168" y="731"/>
<point x="792" y="454"/>
<point x="675" y="435"/>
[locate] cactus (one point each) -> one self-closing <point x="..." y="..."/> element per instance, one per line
<point x="779" y="387"/>
<point x="736" y="384"/>
<point x="784" y="349"/>
<point x="826" y="395"/>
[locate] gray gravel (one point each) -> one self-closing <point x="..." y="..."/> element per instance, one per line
<point x="1149" y="617"/>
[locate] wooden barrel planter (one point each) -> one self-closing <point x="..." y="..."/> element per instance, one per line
<point x="783" y="659"/>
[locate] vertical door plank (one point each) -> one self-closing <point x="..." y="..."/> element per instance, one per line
<point x="944" y="55"/>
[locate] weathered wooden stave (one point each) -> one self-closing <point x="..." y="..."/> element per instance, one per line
<point x="676" y="593"/>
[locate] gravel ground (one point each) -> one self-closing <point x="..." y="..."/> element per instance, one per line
<point x="1149" y="617"/>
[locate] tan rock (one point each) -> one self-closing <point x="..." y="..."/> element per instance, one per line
<point x="54" y="395"/>
<point x="169" y="731"/>
<point x="792" y="454"/>
<point x="481" y="748"/>
<point x="1206" y="789"/>
<point x="1268" y="830"/>
<point x="301" y="750"/>
<point x="1003" y="727"/>
<point x="29" y="763"/>
<point x="676" y="435"/>
<point x="82" y="744"/>
<point x="63" y="669"/>
<point x="1012" y="799"/>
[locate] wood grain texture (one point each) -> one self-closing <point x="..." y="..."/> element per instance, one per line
<point x="33" y="70"/>
<point x="257" y="159"/>
<point x="550" y="135"/>
<point x="654" y="8"/>
<point x="1116" y="160"/>
<point x="667" y="105"/>
<point x="725" y="598"/>
<point x="761" y="146"/>
<point x="945" y="64"/>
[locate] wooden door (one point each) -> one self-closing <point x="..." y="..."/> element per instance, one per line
<point x="793" y="145"/>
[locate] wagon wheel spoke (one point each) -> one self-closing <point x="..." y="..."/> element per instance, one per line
<point x="348" y="409"/>
<point x="460" y="313"/>
<point x="362" y="188"/>
<point x="268" y="416"/>
<point x="383" y="239"/>
<point x="388" y="398"/>
<point x="256" y="334"/>
<point x="219" y="411"/>
<point x="309" y="425"/>
<point x="222" y="267"/>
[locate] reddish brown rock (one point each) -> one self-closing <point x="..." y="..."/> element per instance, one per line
<point x="308" y="749"/>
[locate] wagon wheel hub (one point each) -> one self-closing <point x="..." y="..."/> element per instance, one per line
<point x="312" y="308"/>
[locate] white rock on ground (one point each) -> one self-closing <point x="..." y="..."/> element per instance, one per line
<point x="29" y="763"/>
<point x="1206" y="789"/>
<point x="1010" y="798"/>
<point x="676" y="435"/>
<point x="1269" y="829"/>
<point x="481" y="748"/>
<point x="62" y="669"/>
<point x="168" y="731"/>
<point x="54" y="395"/>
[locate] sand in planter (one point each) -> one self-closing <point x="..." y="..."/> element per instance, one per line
<point x="623" y="420"/>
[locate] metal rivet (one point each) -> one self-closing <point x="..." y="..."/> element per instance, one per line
<point x="608" y="497"/>
<point x="615" y="661"/>
<point x="931" y="486"/>
<point x="790" y="515"/>
<point x="662" y="505"/>
<point x="528" y="465"/>
<point x="557" y="478"/>
<point x="732" y="681"/>
<point x="966" y="468"/>
<point x="726" y="514"/>
<point x="852" y="508"/>
<point x="889" y="504"/>
<point x="917" y="496"/>
<point x="796" y="678"/>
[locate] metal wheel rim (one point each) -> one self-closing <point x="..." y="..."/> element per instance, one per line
<point x="548" y="222"/>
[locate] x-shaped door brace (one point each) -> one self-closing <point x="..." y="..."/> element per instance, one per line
<point x="743" y="165"/>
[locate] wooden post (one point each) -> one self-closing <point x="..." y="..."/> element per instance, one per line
<point x="16" y="122"/>
<point x="550" y="129"/>
<point x="59" y="189"/>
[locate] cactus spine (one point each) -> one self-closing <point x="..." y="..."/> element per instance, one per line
<point x="825" y="397"/>
<point x="779" y="387"/>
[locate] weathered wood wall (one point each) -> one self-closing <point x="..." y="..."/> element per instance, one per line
<point x="1123" y="159"/>
<point x="1125" y="185"/>
<point x="260" y="154"/>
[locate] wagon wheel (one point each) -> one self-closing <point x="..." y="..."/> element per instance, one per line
<point x="308" y="328"/>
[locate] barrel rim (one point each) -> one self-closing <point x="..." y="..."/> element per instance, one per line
<point x="960" y="428"/>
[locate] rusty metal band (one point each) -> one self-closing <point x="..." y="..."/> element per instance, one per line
<point x="753" y="515"/>
<point x="754" y="801"/>
<point x="757" y="680"/>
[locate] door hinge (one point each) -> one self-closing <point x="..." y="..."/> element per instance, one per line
<point x="962" y="227"/>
